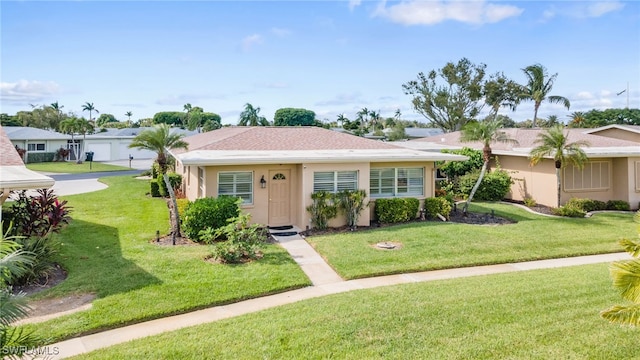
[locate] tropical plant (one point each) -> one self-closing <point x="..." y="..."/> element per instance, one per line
<point x="486" y="132"/>
<point x="250" y="116"/>
<point x="626" y="278"/>
<point x="243" y="241"/>
<point x="87" y="106"/>
<point x="128" y="114"/>
<point x="84" y="127"/>
<point x="39" y="215"/>
<point x="71" y="126"/>
<point x="577" y="119"/>
<point x="554" y="142"/>
<point x="322" y="209"/>
<point x="539" y="85"/>
<point x="58" y="118"/>
<point x="160" y="140"/>
<point x="351" y="202"/>
<point x="14" y="262"/>
<point x="211" y="213"/>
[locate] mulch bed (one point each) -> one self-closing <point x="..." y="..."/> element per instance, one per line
<point x="168" y="241"/>
<point x="57" y="276"/>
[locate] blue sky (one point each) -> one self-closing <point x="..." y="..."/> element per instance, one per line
<point x="332" y="57"/>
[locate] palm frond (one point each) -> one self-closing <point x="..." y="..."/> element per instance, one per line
<point x="625" y="315"/>
<point x="12" y="307"/>
<point x="631" y="246"/>
<point x="626" y="278"/>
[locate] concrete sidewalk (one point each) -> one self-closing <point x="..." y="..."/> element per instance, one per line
<point x="108" y="338"/>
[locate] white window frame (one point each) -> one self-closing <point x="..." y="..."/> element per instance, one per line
<point x="333" y="182"/>
<point x="637" y="173"/>
<point x="395" y="184"/>
<point x="35" y="147"/>
<point x="576" y="180"/>
<point x="247" y="196"/>
<point x="201" y="181"/>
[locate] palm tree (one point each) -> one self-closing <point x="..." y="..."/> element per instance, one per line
<point x="84" y="127"/>
<point x="160" y="140"/>
<point x="71" y="126"/>
<point x="187" y="108"/>
<point x="487" y="132"/>
<point x="554" y="142"/>
<point x="539" y="85"/>
<point x="577" y="119"/>
<point x="58" y="109"/>
<point x="363" y="117"/>
<point x="342" y="119"/>
<point x="625" y="276"/>
<point x="250" y="117"/>
<point x="90" y="108"/>
<point x="374" y="119"/>
<point x="128" y="114"/>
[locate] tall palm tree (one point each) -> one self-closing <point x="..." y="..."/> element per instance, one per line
<point x="160" y="140"/>
<point x="71" y="126"/>
<point x="363" y="117"/>
<point x="577" y="119"/>
<point x="487" y="132"/>
<point x="374" y="119"/>
<point x="84" y="127"/>
<point x="187" y="108"/>
<point x="128" y="114"/>
<point x="539" y="85"/>
<point x="90" y="108"/>
<point x="625" y="276"/>
<point x="342" y="119"/>
<point x="250" y="116"/>
<point x="554" y="142"/>
<point x="58" y="109"/>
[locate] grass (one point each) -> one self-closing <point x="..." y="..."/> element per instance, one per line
<point x="70" y="167"/>
<point x="106" y="251"/>
<point x="437" y="245"/>
<point x="542" y="314"/>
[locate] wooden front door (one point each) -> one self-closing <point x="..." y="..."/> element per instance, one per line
<point x="279" y="197"/>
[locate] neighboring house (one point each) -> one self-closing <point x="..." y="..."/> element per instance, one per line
<point x="612" y="173"/>
<point x="276" y="169"/>
<point x="109" y="145"/>
<point x="36" y="140"/>
<point x="13" y="174"/>
<point x="417" y="133"/>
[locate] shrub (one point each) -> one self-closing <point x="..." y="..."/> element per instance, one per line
<point x="568" y="211"/>
<point x="351" y="202"/>
<point x="43" y="251"/>
<point x="454" y="169"/>
<point x="396" y="210"/>
<point x="618" y="205"/>
<point x="155" y="188"/>
<point x="182" y="207"/>
<point x="243" y="242"/>
<point x="586" y="205"/>
<point x="39" y="215"/>
<point x="494" y="186"/>
<point x="39" y="157"/>
<point x="437" y="205"/>
<point x="322" y="209"/>
<point x="209" y="212"/>
<point x="529" y="202"/>
<point x="174" y="179"/>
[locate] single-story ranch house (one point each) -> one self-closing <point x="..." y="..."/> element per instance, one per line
<point x="109" y="145"/>
<point x="276" y="169"/>
<point x="612" y="173"/>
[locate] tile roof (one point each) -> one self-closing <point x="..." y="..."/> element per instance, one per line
<point x="279" y="138"/>
<point x="8" y="154"/>
<point x="30" y="133"/>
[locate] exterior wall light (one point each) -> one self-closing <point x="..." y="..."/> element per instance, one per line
<point x="263" y="182"/>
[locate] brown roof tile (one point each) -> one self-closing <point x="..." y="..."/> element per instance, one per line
<point x="279" y="138"/>
<point x="8" y="154"/>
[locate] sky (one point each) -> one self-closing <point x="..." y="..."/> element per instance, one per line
<point x="332" y="57"/>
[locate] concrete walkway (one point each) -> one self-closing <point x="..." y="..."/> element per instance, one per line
<point x="323" y="287"/>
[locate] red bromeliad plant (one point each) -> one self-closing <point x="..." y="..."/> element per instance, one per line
<point x="39" y="215"/>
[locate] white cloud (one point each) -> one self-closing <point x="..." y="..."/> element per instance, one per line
<point x="416" y="12"/>
<point x="250" y="41"/>
<point x="27" y="91"/>
<point x="354" y="3"/>
<point x="342" y="99"/>
<point x="280" y="32"/>
<point x="585" y="95"/>
<point x="602" y="7"/>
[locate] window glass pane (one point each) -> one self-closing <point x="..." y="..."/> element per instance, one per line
<point x="236" y="184"/>
<point x="40" y="147"/>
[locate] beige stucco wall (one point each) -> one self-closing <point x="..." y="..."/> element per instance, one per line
<point x="619" y="134"/>
<point x="538" y="183"/>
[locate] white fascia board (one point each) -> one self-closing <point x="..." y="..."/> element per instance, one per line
<point x="21" y="178"/>
<point x="222" y="157"/>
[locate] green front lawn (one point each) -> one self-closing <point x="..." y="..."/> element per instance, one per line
<point x="437" y="245"/>
<point x="70" y="167"/>
<point x="542" y="314"/>
<point x="106" y="251"/>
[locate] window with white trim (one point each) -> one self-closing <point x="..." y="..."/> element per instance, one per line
<point x="35" y="147"/>
<point x="200" y="182"/>
<point x="389" y="182"/>
<point x="238" y="183"/>
<point x="335" y="181"/>
<point x="637" y="168"/>
<point x="595" y="176"/>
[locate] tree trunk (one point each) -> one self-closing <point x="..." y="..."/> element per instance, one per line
<point x="558" y="184"/>
<point x="535" y="115"/>
<point x="173" y="210"/>
<point x="475" y="187"/>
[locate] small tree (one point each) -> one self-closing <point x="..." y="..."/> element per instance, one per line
<point x="322" y="209"/>
<point x="539" y="85"/>
<point x="351" y="202"/>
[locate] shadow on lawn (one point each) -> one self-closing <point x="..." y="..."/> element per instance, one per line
<point x="92" y="256"/>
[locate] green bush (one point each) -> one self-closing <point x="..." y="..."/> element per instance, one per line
<point x="209" y="213"/>
<point x="243" y="242"/>
<point x="39" y="157"/>
<point x="351" y="202"/>
<point x="322" y="209"/>
<point x="155" y="188"/>
<point x="174" y="179"/>
<point x="437" y="205"/>
<point x="586" y="205"/>
<point x="454" y="169"/>
<point x="618" y="205"/>
<point x="182" y="207"/>
<point x="494" y="186"/>
<point x="390" y="211"/>
<point x="568" y="211"/>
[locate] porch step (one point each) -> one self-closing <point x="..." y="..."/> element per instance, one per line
<point x="284" y="230"/>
